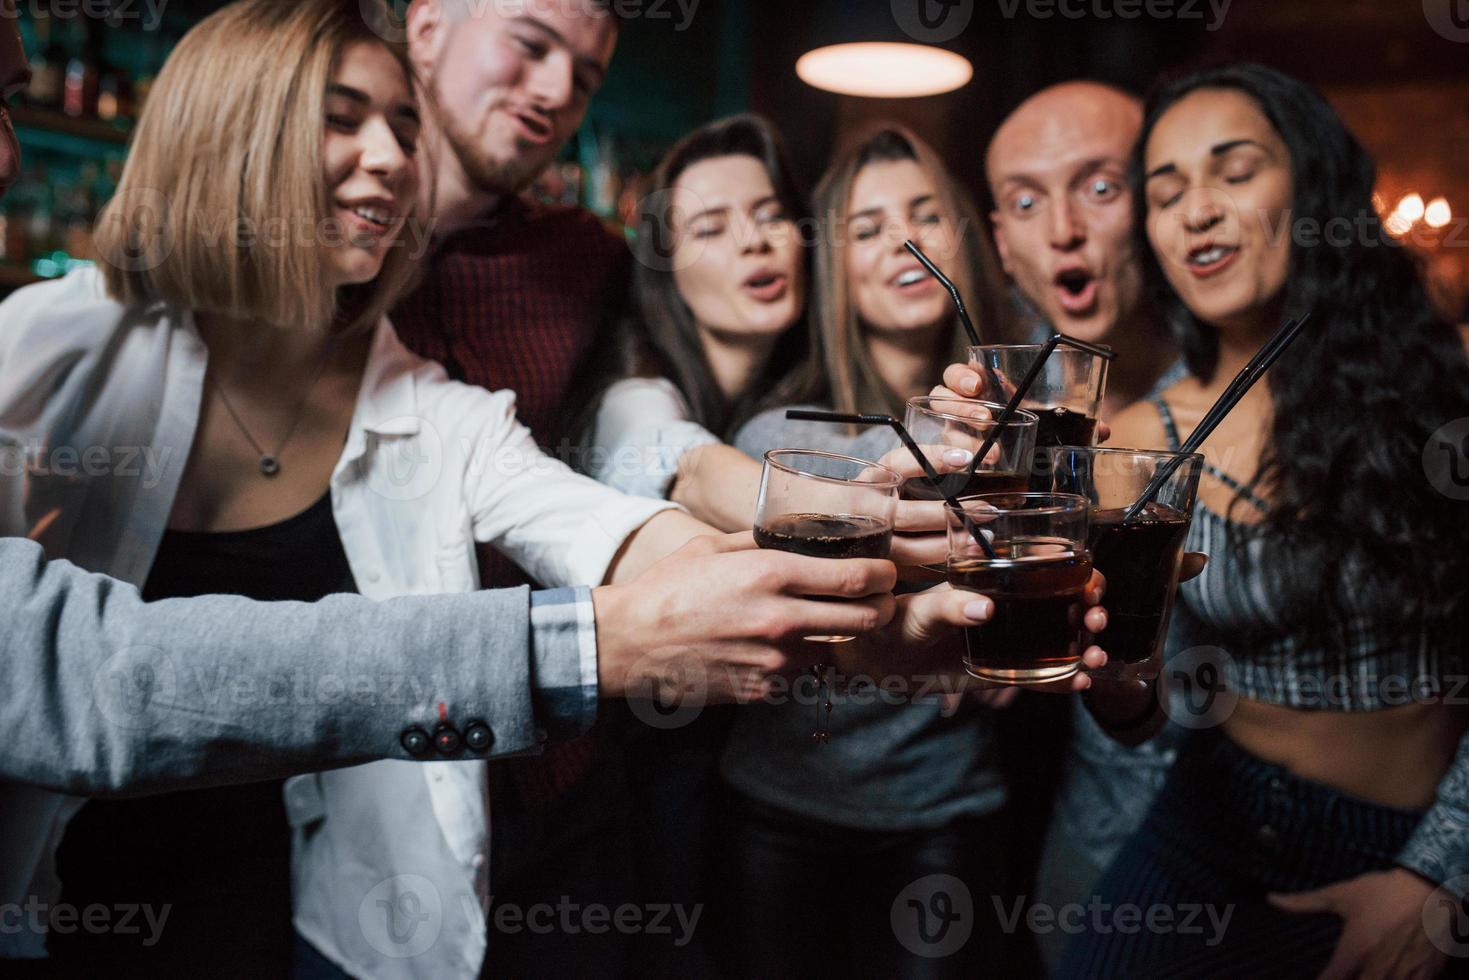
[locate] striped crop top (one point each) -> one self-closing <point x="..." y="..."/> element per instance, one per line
<point x="1238" y="607"/>
<point x="1244" y="609"/>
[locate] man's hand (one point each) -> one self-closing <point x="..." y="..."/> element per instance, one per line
<point x="1383" y="925"/>
<point x="716" y="618"/>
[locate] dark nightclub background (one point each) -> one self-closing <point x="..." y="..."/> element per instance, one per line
<point x="1397" y="70"/>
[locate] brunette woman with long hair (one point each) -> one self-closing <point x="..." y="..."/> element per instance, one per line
<point x="717" y="322"/>
<point x="1325" y="811"/>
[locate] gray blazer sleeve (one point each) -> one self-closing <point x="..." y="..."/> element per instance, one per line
<point x="102" y="694"/>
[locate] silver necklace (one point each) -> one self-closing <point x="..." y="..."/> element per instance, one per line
<point x="270" y="463"/>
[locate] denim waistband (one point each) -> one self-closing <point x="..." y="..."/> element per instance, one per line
<point x="1289" y="831"/>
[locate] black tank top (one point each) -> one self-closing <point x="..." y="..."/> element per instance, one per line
<point x="219" y="859"/>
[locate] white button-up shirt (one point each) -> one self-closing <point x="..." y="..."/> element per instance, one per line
<point x="98" y="411"/>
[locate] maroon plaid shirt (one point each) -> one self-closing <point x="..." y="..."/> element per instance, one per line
<point x="516" y="302"/>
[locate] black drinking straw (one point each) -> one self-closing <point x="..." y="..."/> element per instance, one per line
<point x="929" y="473"/>
<point x="1242" y="383"/>
<point x="933" y="270"/>
<point x="1099" y="350"/>
<point x="1021" y="389"/>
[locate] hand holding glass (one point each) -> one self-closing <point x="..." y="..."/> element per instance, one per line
<point x="1037" y="580"/>
<point x="1066" y="395"/>
<point x="1140" y="559"/>
<point x="825" y="505"/>
<point x="938" y="424"/>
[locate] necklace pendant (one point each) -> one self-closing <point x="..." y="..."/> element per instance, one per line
<point x="269" y="465"/>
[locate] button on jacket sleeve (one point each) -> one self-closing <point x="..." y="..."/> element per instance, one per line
<point x="106" y="695"/>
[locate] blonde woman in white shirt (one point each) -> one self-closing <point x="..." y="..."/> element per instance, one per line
<point x="223" y="401"/>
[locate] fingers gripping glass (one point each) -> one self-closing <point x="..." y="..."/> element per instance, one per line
<point x="1037" y="579"/>
<point x="1140" y="558"/>
<point x="824" y="505"/>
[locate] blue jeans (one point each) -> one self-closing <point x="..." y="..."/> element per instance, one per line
<point x="1227" y="829"/>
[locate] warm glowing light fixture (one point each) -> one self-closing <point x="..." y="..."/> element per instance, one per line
<point x="884" y="70"/>
<point x="1438" y="213"/>
<point x="1397" y="226"/>
<point x="1410" y="208"/>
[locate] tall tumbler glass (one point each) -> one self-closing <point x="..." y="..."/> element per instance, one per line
<point x="1036" y="578"/>
<point x="1066" y="395"/>
<point x="938" y="424"/>
<point x="1141" y="559"/>
<point x="826" y="506"/>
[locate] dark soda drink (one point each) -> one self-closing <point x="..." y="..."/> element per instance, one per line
<point x="1035" y="632"/>
<point x="1063" y="427"/>
<point x="962" y="485"/>
<point x="826" y="535"/>
<point x="1140" y="560"/>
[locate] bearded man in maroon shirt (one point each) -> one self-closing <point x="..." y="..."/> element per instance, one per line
<point x="513" y="293"/>
<point x="514" y="296"/>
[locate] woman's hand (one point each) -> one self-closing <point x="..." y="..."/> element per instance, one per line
<point x="1385" y="930"/>
<point x="923" y="642"/>
<point x="921" y="529"/>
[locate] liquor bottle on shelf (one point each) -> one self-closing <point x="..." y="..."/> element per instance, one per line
<point x="48" y="66"/>
<point x="80" y="96"/>
<point x="114" y="95"/>
<point x="75" y="212"/>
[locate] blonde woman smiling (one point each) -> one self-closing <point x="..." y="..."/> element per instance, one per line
<point x="307" y="453"/>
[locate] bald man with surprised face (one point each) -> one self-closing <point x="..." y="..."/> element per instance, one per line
<point x="1063" y="221"/>
<point x="1057" y="170"/>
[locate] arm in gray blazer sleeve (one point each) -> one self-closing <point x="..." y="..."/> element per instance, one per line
<point x="106" y="695"/>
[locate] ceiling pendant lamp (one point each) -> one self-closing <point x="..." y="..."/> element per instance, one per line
<point x="884" y="50"/>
